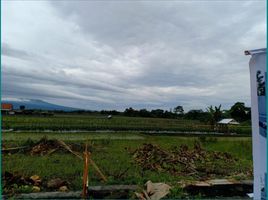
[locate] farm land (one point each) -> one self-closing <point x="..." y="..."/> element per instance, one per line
<point x="69" y="122"/>
<point x="125" y="150"/>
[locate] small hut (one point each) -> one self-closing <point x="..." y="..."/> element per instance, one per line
<point x="223" y="125"/>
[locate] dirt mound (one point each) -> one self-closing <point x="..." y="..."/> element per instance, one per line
<point x="185" y="161"/>
<point x="44" y="146"/>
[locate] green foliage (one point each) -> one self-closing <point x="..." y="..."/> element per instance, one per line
<point x="157" y="113"/>
<point x="199" y="115"/>
<point x="202" y="138"/>
<point x="179" y="110"/>
<point x="215" y="114"/>
<point x="240" y="112"/>
<point x="89" y="122"/>
<point x="207" y="139"/>
<point x="22" y="188"/>
<point x="117" y="123"/>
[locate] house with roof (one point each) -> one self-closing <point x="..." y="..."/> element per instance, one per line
<point x="223" y="125"/>
<point x="6" y="108"/>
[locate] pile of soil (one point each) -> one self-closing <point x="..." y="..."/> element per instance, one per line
<point x="44" y="146"/>
<point x="184" y="161"/>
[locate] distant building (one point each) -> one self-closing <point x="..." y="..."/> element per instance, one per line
<point x="6" y="108"/>
<point x="228" y="121"/>
<point x="223" y="125"/>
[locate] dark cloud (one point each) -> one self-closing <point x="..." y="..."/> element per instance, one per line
<point x="110" y="55"/>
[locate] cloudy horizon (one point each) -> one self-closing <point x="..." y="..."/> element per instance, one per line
<point x="142" y="54"/>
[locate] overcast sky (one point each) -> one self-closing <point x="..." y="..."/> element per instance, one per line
<point x="143" y="54"/>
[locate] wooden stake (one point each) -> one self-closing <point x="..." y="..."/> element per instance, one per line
<point x="64" y="145"/>
<point x="98" y="170"/>
<point x="85" y="174"/>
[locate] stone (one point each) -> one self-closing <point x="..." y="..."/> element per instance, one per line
<point x="63" y="189"/>
<point x="56" y="183"/>
<point x="36" y="189"/>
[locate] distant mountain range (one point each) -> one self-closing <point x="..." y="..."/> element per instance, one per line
<point x="36" y="104"/>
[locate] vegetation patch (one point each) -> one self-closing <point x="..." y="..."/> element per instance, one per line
<point x="73" y="122"/>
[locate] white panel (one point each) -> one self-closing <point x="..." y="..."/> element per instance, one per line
<point x="257" y="66"/>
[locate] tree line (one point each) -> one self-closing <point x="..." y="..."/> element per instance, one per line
<point x="211" y="115"/>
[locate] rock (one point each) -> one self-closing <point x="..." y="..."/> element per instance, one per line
<point x="36" y="189"/>
<point x="63" y="189"/>
<point x="56" y="183"/>
<point x="35" y="177"/>
<point x="36" y="180"/>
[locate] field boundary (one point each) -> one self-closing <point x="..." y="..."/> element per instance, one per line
<point x="151" y="133"/>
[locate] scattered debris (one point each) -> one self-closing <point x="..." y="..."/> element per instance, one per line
<point x="10" y="178"/>
<point x="44" y="147"/>
<point x="154" y="191"/>
<point x="14" y="183"/>
<point x="181" y="161"/>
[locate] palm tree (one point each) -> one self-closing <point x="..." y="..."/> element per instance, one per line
<point x="215" y="115"/>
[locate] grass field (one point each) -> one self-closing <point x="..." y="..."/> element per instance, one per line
<point x="100" y="122"/>
<point x="111" y="152"/>
<point x="113" y="149"/>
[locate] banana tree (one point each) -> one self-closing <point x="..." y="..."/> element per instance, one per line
<point x="214" y="115"/>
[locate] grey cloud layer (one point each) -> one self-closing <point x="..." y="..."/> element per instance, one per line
<point x="109" y="55"/>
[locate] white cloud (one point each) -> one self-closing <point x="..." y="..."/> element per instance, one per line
<point x="104" y="55"/>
